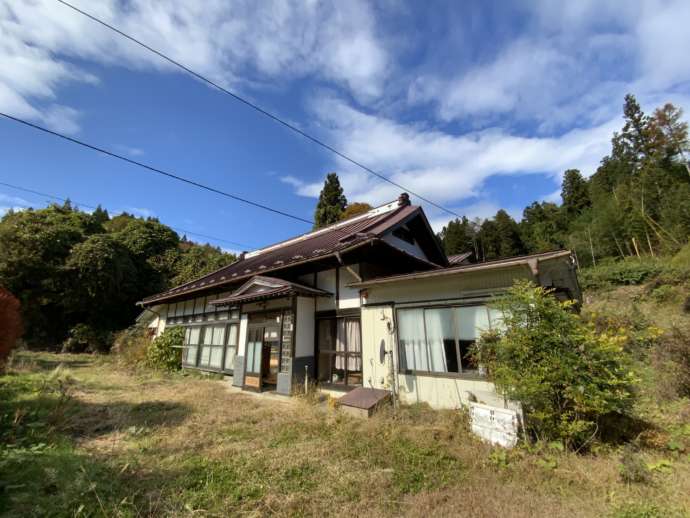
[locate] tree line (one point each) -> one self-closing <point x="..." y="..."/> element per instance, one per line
<point x="78" y="273"/>
<point x="636" y="203"/>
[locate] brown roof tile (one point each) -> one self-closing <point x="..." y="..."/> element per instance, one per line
<point x="304" y="248"/>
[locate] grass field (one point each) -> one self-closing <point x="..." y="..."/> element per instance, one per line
<point x="83" y="436"/>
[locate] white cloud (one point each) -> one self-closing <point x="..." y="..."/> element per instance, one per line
<point x="226" y="40"/>
<point x="142" y="212"/>
<point x="8" y="203"/>
<point x="572" y="65"/>
<point x="441" y="166"/>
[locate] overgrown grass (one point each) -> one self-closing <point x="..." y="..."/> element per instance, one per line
<point x="91" y="438"/>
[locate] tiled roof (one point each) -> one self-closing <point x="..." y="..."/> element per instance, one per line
<point x="458" y="258"/>
<point x="308" y="247"/>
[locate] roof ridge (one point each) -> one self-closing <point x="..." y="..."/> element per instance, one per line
<point x="389" y="207"/>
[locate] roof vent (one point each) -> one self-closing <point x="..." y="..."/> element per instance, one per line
<point x="403" y="199"/>
<point x="242" y="255"/>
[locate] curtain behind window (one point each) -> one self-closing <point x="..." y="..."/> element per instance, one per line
<point x="440" y="337"/>
<point x="354" y="345"/>
<point x="411" y="337"/>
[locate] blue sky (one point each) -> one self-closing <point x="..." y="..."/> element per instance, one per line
<point x="475" y="105"/>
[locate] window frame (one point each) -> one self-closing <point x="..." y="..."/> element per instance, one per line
<point x="461" y="374"/>
<point x="200" y="320"/>
<point x="332" y="353"/>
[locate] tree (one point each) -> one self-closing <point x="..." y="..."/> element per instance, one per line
<point x="509" y="240"/>
<point x="458" y="236"/>
<point x="354" y="209"/>
<point x="34" y="245"/>
<point x="102" y="283"/>
<point x="10" y="323"/>
<point x="542" y="227"/>
<point x="332" y="202"/>
<point x="197" y="260"/>
<point x="567" y="377"/>
<point x="575" y="193"/>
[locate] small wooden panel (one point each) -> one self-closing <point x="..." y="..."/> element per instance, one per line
<point x="364" y="398"/>
<point x="252" y="381"/>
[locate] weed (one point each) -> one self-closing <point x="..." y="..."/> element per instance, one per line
<point x="632" y="468"/>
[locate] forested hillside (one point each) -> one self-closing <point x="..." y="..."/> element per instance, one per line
<point x="79" y="275"/>
<point x="636" y="203"/>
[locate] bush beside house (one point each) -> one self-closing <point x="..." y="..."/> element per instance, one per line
<point x="567" y="377"/>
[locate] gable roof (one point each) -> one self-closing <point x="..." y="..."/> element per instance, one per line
<point x="329" y="241"/>
<point x="261" y="288"/>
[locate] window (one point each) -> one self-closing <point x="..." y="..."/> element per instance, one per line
<point x="254" y="344"/>
<point x="340" y="351"/>
<point x="439" y="340"/>
<point x="192" y="335"/>
<point x="231" y="347"/>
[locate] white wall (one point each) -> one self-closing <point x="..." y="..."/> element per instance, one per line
<point x="325" y="280"/>
<point x="304" y="338"/>
<point x="348" y="297"/>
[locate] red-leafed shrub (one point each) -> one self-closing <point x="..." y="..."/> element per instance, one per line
<point x="10" y="324"/>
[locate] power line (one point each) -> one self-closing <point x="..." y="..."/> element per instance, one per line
<point x="256" y="107"/>
<point x="59" y="198"/>
<point x="155" y="169"/>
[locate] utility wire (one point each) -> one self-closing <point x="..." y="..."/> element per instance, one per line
<point x="79" y="204"/>
<point x="256" y="107"/>
<point x="155" y="170"/>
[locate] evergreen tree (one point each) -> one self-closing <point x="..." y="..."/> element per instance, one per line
<point x="543" y="227"/>
<point x="575" y="193"/>
<point x="458" y="236"/>
<point x="510" y="242"/>
<point x="332" y="202"/>
<point x="100" y="215"/>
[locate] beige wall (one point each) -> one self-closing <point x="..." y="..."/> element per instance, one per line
<point x="378" y="328"/>
<point x="470" y="284"/>
<point x="438" y="392"/>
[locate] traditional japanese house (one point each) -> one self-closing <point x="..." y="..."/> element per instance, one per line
<point x="370" y="302"/>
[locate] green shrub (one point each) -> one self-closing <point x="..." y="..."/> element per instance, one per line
<point x="682" y="258"/>
<point x="632" y="468"/>
<point x="165" y="352"/>
<point x="85" y="338"/>
<point x="626" y="272"/>
<point x="567" y="376"/>
<point x="131" y="346"/>
<point x="670" y="359"/>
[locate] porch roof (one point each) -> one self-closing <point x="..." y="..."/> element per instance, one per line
<point x="264" y="288"/>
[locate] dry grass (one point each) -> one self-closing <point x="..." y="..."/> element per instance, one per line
<point x="185" y="446"/>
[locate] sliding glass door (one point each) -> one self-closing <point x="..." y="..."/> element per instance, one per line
<point x="340" y="351"/>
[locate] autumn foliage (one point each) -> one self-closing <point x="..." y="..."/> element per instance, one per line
<point x="10" y="324"/>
